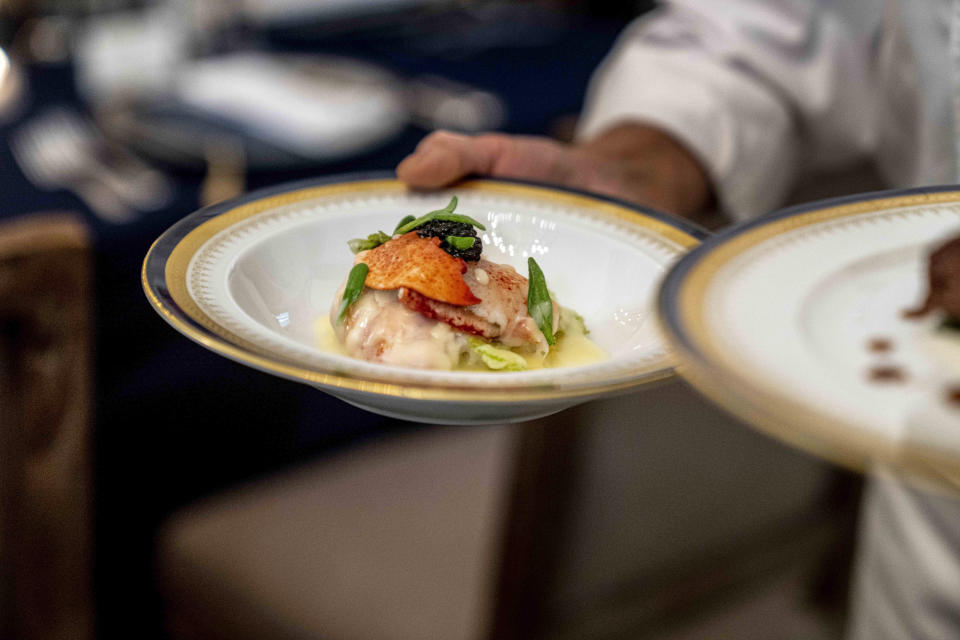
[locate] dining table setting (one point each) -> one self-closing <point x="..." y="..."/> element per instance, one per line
<point x="230" y="183"/>
<point x="307" y="100"/>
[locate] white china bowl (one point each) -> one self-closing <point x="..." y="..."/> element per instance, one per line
<point x="252" y="278"/>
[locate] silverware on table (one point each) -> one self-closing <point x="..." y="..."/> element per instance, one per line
<point x="60" y="149"/>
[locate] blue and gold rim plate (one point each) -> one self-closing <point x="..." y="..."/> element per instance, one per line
<point x="222" y="275"/>
<point x="796" y="323"/>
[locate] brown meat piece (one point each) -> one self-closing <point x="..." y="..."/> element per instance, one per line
<point x="944" y="281"/>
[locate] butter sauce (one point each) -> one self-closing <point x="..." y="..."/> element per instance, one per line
<point x="574" y="351"/>
<point x="574" y="348"/>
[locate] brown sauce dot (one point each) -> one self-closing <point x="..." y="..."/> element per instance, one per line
<point x="880" y="345"/>
<point x="887" y="373"/>
<point x="953" y="394"/>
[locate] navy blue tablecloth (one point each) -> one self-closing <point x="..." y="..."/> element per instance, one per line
<point x="174" y="422"/>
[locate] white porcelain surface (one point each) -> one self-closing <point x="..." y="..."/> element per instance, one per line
<point x="794" y="316"/>
<point x="319" y="107"/>
<point x="270" y="277"/>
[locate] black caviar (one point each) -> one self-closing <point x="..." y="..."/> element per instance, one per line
<point x="443" y="228"/>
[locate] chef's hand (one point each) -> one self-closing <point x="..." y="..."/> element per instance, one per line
<point x="633" y="162"/>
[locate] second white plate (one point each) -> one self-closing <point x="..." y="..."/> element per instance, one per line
<point x="796" y="323"/>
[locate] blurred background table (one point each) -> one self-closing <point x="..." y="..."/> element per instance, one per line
<point x="668" y="512"/>
<point x="174" y="422"/>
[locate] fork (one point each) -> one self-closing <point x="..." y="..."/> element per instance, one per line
<point x="50" y="169"/>
<point x="59" y="149"/>
<point x="133" y="180"/>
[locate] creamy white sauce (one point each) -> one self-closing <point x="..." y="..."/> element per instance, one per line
<point x="379" y="328"/>
<point x="378" y="318"/>
<point x="327" y="338"/>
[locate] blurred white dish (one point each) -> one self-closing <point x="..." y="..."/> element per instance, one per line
<point x="318" y="107"/>
<point x="251" y="277"/>
<point x="280" y="110"/>
<point x="796" y="323"/>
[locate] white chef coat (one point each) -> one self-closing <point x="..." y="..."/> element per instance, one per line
<point x="762" y="91"/>
<point x="765" y="90"/>
<point x="907" y="583"/>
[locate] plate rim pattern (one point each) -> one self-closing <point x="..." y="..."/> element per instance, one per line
<point x="165" y="272"/>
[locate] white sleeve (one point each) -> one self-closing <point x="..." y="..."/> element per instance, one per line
<point x="757" y="89"/>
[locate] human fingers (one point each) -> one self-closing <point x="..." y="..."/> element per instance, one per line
<point x="444" y="157"/>
<point x="632" y="162"/>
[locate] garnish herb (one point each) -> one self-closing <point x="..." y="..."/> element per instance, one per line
<point x="581" y="323"/>
<point x="353" y="289"/>
<point x="440" y="214"/>
<point x="539" y="303"/>
<point x="409" y="223"/>
<point x="372" y="241"/>
<point x="497" y="358"/>
<point x="460" y="242"/>
<point x="402" y="222"/>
